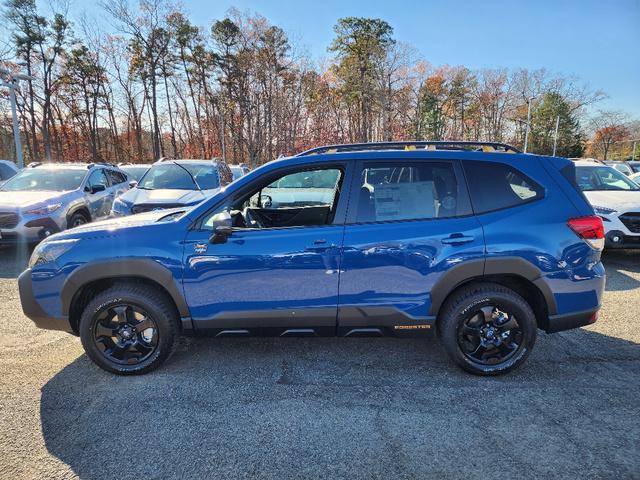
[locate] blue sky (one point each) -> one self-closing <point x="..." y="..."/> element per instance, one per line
<point x="599" y="41"/>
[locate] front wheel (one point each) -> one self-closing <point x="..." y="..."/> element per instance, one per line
<point x="487" y="329"/>
<point x="129" y="329"/>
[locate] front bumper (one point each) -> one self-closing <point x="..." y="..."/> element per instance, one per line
<point x="34" y="311"/>
<point x="618" y="239"/>
<point x="32" y="229"/>
<point x="618" y="234"/>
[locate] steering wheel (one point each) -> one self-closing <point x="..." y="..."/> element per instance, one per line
<point x="251" y="220"/>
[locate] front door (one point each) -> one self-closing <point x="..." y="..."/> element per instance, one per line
<point x="277" y="271"/>
<point x="410" y="223"/>
<point x="99" y="200"/>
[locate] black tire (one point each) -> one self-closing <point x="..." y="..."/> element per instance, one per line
<point x="77" y="219"/>
<point x="141" y="351"/>
<point x="487" y="329"/>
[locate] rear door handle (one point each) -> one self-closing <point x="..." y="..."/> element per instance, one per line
<point x="319" y="246"/>
<point x="457" y="239"/>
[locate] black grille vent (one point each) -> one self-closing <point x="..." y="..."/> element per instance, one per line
<point x="155" y="206"/>
<point x="8" y="220"/>
<point x="631" y="220"/>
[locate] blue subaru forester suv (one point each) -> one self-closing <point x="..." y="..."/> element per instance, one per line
<point x="475" y="241"/>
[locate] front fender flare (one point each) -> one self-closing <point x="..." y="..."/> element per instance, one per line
<point x="122" y="268"/>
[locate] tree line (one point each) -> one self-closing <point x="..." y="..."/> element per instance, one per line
<point x="241" y="89"/>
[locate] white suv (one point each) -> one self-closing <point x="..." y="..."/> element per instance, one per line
<point x="615" y="198"/>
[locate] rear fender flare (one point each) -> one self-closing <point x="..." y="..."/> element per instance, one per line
<point x="476" y="269"/>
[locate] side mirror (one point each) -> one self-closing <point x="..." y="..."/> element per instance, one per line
<point x="95" y="188"/>
<point x="221" y="234"/>
<point x="133" y="184"/>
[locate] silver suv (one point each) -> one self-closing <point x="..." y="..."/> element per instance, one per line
<point x="43" y="199"/>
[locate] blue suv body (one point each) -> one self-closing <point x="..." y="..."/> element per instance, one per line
<point x="355" y="240"/>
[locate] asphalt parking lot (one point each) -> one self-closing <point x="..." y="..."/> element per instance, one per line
<point x="324" y="408"/>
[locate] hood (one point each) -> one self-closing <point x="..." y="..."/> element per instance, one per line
<point x="139" y="196"/>
<point x="17" y="200"/>
<point x="619" y="200"/>
<point x="117" y="225"/>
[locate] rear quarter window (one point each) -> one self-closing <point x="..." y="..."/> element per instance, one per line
<point x="495" y="186"/>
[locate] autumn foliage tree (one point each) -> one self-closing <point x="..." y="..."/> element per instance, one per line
<point x="240" y="88"/>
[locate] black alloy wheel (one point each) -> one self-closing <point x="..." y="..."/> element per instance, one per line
<point x="125" y="334"/>
<point x="489" y="336"/>
<point x="487" y="329"/>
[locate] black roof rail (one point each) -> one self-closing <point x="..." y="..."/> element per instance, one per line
<point x="413" y="145"/>
<point x="90" y="165"/>
<point x="34" y="164"/>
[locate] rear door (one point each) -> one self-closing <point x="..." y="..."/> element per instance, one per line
<point x="408" y="223"/>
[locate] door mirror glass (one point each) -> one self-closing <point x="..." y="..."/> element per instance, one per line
<point x="97" y="188"/>
<point x="220" y="234"/>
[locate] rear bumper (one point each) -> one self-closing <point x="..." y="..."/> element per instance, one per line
<point x="559" y="323"/>
<point x="34" y="311"/>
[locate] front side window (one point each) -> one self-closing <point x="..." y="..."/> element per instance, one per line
<point x="411" y="191"/>
<point x="174" y="176"/>
<point x="299" y="199"/>
<point x="45" y="179"/>
<point x="602" y="178"/>
<point x="98" y="177"/>
<point x="494" y="186"/>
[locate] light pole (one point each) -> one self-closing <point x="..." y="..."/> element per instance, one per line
<point x="555" y="136"/>
<point x="526" y="132"/>
<point x="11" y="82"/>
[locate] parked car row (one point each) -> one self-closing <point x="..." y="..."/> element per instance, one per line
<point x="615" y="198"/>
<point x="43" y="199"/>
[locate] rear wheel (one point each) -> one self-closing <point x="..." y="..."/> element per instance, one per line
<point x="129" y="329"/>
<point x="487" y="329"/>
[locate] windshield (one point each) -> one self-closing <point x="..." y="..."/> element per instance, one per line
<point x="134" y="173"/>
<point x="179" y="177"/>
<point x="603" y="178"/>
<point x="45" y="179"/>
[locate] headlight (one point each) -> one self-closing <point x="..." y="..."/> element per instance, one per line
<point x="50" y="251"/>
<point x="120" y="206"/>
<point x="604" y="210"/>
<point x="43" y="209"/>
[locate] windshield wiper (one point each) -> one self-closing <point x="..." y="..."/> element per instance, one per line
<point x="189" y="173"/>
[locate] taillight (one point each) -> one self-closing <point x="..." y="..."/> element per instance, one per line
<point x="590" y="229"/>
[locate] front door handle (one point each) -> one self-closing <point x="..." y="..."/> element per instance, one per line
<point x="457" y="239"/>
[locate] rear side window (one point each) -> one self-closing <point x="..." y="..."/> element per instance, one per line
<point x="116" y="177"/>
<point x="494" y="186"/>
<point x="410" y="191"/>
